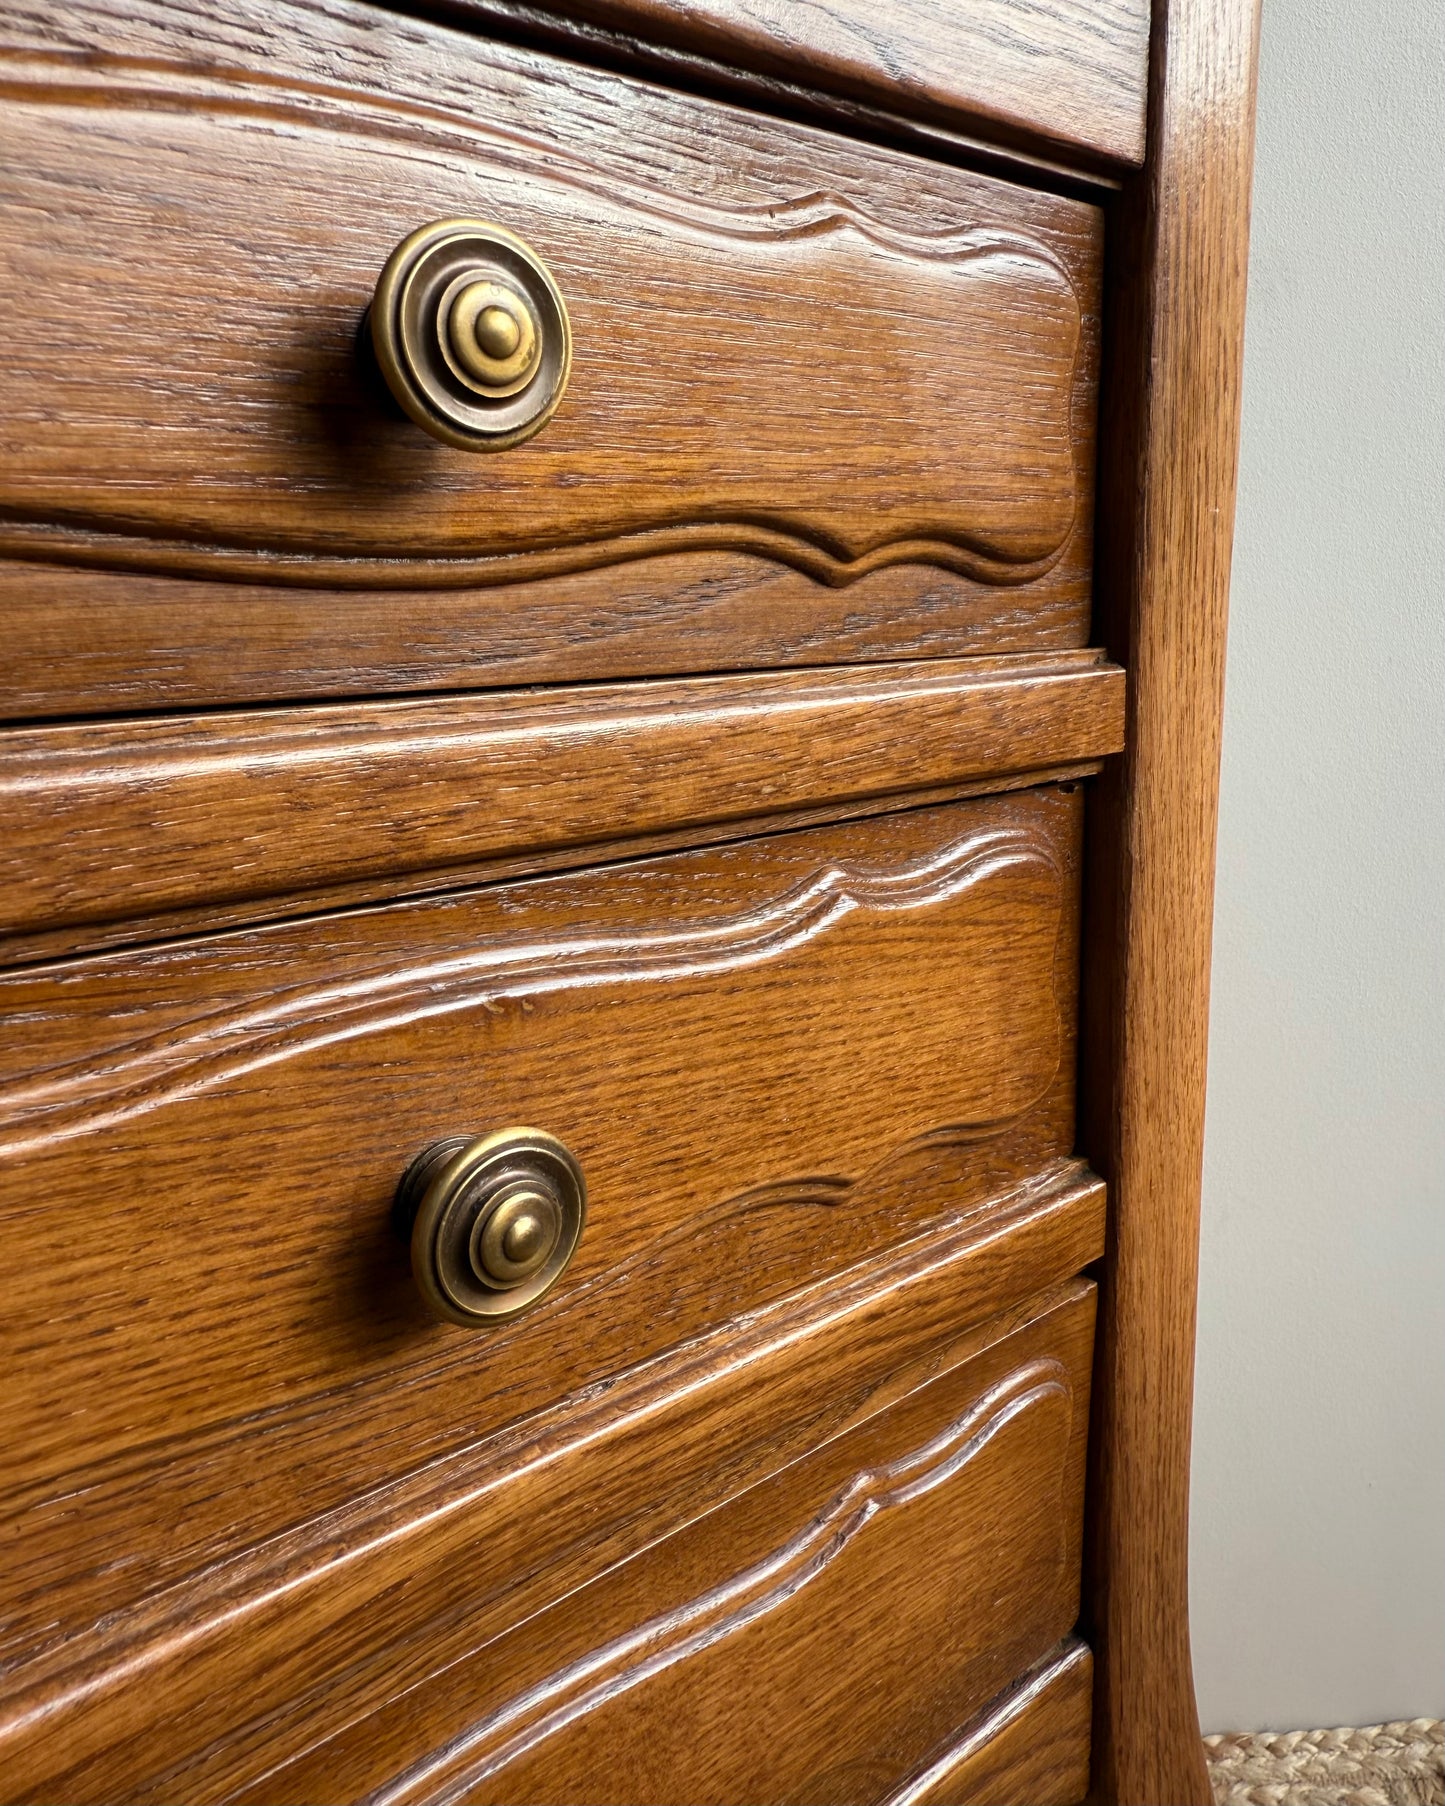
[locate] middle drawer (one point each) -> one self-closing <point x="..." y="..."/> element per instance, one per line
<point x="772" y="1061"/>
<point x="781" y="1065"/>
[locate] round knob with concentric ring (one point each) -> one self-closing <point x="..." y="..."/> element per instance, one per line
<point x="493" y="1221"/>
<point x="471" y="333"/>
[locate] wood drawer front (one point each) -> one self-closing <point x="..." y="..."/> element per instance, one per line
<point x="220" y="1680"/>
<point x="811" y="1641"/>
<point x="775" y="1062"/>
<point x="1071" y="71"/>
<point x="1030" y="1744"/>
<point x="817" y="388"/>
<point x="771" y="1061"/>
<point x="142" y="830"/>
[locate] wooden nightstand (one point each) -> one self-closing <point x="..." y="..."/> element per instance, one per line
<point x="614" y="630"/>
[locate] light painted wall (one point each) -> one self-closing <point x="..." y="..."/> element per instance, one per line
<point x="1318" y="1544"/>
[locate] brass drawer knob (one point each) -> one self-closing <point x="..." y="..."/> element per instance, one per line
<point x="471" y="333"/>
<point x="493" y="1221"/>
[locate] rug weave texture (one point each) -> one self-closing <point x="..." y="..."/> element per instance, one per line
<point x="1400" y="1764"/>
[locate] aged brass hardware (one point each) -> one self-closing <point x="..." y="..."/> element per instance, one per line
<point x="471" y="333"/>
<point x="492" y="1220"/>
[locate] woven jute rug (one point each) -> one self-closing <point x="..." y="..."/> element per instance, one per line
<point x="1378" y="1765"/>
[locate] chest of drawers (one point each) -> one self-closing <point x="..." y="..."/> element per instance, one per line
<point x="614" y="621"/>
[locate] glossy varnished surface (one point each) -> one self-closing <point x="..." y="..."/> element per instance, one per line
<point x="763" y="315"/>
<point x="1071" y="72"/>
<point x="85" y="642"/>
<point x="1030" y="1744"/>
<point x="812" y="1397"/>
<point x="1172" y="434"/>
<point x="808" y="1642"/>
<point x="107" y="827"/>
<point x="232" y="1428"/>
<point x="747" y="1050"/>
<point x="194" y="1688"/>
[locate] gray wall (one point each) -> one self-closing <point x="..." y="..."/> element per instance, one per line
<point x="1318" y="1551"/>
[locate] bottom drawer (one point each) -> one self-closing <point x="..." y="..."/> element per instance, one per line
<point x="828" y="1635"/>
<point x="1030" y="1744"/>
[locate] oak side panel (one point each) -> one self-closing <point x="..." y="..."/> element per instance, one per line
<point x="796" y="1645"/>
<point x="1069" y="72"/>
<point x="106" y="822"/>
<point x="1171" y="435"/>
<point x="1032" y="1744"/>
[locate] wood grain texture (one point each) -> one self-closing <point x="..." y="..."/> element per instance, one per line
<point x="126" y="820"/>
<point x="775" y="1062"/>
<point x="699" y="1030"/>
<point x="95" y="642"/>
<point x="761" y="316"/>
<point x="796" y="1645"/>
<point x="266" y="1526"/>
<point x="189" y="1690"/>
<point x="1068" y="72"/>
<point x="1031" y="1744"/>
<point x="1171" y="432"/>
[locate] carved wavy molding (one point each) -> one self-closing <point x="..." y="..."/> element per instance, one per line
<point x="803" y="1192"/>
<point x="725" y="1611"/>
<point x="813" y="1191"/>
<point x="111" y="541"/>
<point x="931" y="1785"/>
<point x="102" y="547"/>
<point x="84" y="78"/>
<point x="83" y="1096"/>
<point x="432" y="1511"/>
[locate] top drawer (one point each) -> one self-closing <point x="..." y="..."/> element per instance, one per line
<point x="1072" y="72"/>
<point x="826" y="402"/>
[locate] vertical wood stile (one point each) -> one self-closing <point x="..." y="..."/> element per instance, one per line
<point x="1170" y="441"/>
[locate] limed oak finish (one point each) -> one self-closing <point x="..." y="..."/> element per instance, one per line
<point x="781" y="787"/>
